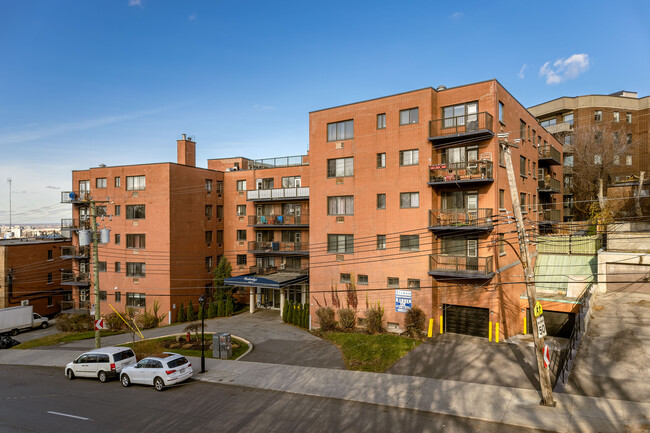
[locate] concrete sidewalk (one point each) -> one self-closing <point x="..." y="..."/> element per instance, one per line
<point x="513" y="406"/>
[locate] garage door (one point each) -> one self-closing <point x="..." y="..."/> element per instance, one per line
<point x="628" y="278"/>
<point x="466" y="320"/>
<point x="558" y="323"/>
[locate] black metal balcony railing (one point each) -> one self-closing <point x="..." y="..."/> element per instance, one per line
<point x="70" y="252"/>
<point x="470" y="127"/>
<point x="550" y="154"/>
<point x="74" y="196"/>
<point x="460" y="266"/>
<point x="567" y="169"/>
<point x="550" y="215"/>
<point x="278" y="220"/>
<point x="278" y="194"/>
<point x="278" y="247"/>
<point x="549" y="185"/>
<point x="74" y="279"/>
<point x="75" y="223"/>
<point x="266" y="270"/>
<point x="465" y="172"/>
<point x="458" y="219"/>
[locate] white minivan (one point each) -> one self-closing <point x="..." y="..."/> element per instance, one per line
<point x="101" y="363"/>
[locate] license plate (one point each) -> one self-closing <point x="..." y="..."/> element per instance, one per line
<point x="182" y="370"/>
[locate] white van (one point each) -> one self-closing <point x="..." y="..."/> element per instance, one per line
<point x="101" y="363"/>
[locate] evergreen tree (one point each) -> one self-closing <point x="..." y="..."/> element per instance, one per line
<point x="200" y="312"/>
<point x="181" y="313"/>
<point x="285" y="312"/>
<point x="212" y="311"/>
<point x="220" y="309"/>
<point x="229" y="306"/>
<point x="190" y="312"/>
<point x="221" y="272"/>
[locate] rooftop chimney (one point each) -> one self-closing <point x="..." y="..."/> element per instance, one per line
<point x="186" y="151"/>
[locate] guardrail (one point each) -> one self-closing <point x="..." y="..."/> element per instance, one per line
<point x="467" y="124"/>
<point x="278" y="220"/>
<point x="278" y="193"/>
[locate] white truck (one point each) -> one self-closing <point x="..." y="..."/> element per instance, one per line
<point x="15" y="319"/>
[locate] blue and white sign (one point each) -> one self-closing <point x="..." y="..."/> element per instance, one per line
<point x="402" y="300"/>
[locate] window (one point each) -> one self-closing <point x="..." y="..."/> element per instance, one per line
<point x="102" y="295"/>
<point x="409" y="157"/>
<point x="100" y="182"/>
<point x="136" y="300"/>
<point x="500" y="111"/>
<point x="522" y="165"/>
<point x="568" y="139"/>
<point x="135" y="269"/>
<point x="628" y="117"/>
<point x="118" y="296"/>
<point x="135" y="183"/>
<point x="345" y="278"/>
<point x="522" y="202"/>
<point x="208" y="264"/>
<point x="101" y="266"/>
<point x="50" y="279"/>
<point x="135" y="211"/>
<point x="343" y="205"/>
<point x="548" y="122"/>
<point x="381" y="160"/>
<point x="598" y="115"/>
<point x="266" y="183"/>
<point x="291" y="182"/>
<point x="381" y="201"/>
<point x="208" y="236"/>
<point x="118" y="182"/>
<point x="461" y="114"/>
<point x="409" y="242"/>
<point x="340" y="244"/>
<point x="628" y="159"/>
<point x="533" y="137"/>
<point x="617" y="159"/>
<point x="118" y="266"/>
<point x="362" y="279"/>
<point x="502" y="158"/>
<point x="502" y="199"/>
<point x="381" y="121"/>
<point x="340" y="130"/>
<point x="409" y="199"/>
<point x="118" y="210"/>
<point x="568" y="118"/>
<point x="340" y="167"/>
<point x="522" y="130"/>
<point x="534" y="169"/>
<point x="502" y="244"/>
<point x="208" y="211"/>
<point x="241" y="235"/>
<point x="136" y="240"/>
<point x="219" y="211"/>
<point x="241" y="185"/>
<point x="534" y="203"/>
<point x="616" y="117"/>
<point x="408" y="116"/>
<point x="219" y="236"/>
<point x="381" y="242"/>
<point x="118" y="239"/>
<point x="50" y="255"/>
<point x="208" y="184"/>
<point x="616" y="137"/>
<point x="413" y="284"/>
<point x="598" y="159"/>
<point x="393" y="282"/>
<point x="241" y="209"/>
<point x="241" y="259"/>
<point x="628" y="139"/>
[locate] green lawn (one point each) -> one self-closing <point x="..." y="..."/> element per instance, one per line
<point x="62" y="337"/>
<point x="374" y="353"/>
<point x="145" y="348"/>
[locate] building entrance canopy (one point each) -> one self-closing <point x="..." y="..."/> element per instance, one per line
<point x="273" y="281"/>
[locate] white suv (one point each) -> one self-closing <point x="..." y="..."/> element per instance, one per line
<point x="101" y="363"/>
<point x="158" y="370"/>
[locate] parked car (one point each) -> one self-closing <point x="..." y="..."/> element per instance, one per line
<point x="160" y="371"/>
<point x="101" y="363"/>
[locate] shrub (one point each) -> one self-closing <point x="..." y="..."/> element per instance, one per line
<point x="200" y="312"/>
<point x="326" y="318"/>
<point x="306" y="319"/>
<point x="114" y="322"/>
<point x="230" y="306"/>
<point x="146" y="320"/>
<point x="414" y="321"/>
<point x="285" y="312"/>
<point x="181" y="314"/>
<point x="75" y="322"/>
<point x="347" y="319"/>
<point x="193" y="327"/>
<point x="220" y="309"/>
<point x="212" y="310"/>
<point x="190" y="312"/>
<point x="374" y="316"/>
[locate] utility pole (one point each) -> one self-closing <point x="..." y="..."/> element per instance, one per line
<point x="544" y="374"/>
<point x="638" y="195"/>
<point x="93" y="222"/>
<point x="9" y="181"/>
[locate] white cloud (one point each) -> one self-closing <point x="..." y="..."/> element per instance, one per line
<point x="135" y="3"/>
<point x="564" y="69"/>
<point x="456" y="16"/>
<point x="192" y="17"/>
<point x="521" y="72"/>
<point x="52" y="187"/>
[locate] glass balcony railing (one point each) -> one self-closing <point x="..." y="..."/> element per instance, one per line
<point x="278" y="220"/>
<point x="278" y="194"/>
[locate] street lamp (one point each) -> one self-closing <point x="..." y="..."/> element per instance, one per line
<point x="202" y="304"/>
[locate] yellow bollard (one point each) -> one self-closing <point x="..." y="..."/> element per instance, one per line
<point x="441" y="324"/>
<point x="525" y="325"/>
<point x="490" y="331"/>
<point x="430" y="333"/>
<point x="496" y="332"/>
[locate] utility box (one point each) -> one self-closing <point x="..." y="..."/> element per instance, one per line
<point x="222" y="345"/>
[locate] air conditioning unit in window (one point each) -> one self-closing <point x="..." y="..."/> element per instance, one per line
<point x="339" y="145"/>
<point x="24" y="302"/>
<point x="282" y="266"/>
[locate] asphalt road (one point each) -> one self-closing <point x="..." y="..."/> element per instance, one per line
<point x="41" y="399"/>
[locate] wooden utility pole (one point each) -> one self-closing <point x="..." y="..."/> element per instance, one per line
<point x="638" y="195"/>
<point x="93" y="223"/>
<point x="544" y="374"/>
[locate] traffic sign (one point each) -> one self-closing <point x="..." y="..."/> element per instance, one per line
<point x="541" y="327"/>
<point x="538" y="309"/>
<point x="100" y="324"/>
<point x="547" y="357"/>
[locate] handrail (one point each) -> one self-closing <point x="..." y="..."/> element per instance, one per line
<point x="277" y="193"/>
<point x="460" y="217"/>
<point x="286" y="219"/>
<point x="466" y="124"/>
<point x="454" y="171"/>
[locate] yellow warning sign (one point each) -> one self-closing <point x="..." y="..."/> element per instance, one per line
<point x="538" y="309"/>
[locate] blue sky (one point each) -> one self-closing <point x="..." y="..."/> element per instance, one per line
<point x="117" y="82"/>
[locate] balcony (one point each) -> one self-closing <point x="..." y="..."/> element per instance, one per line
<point x="267" y="270"/>
<point x="549" y="155"/>
<point x="460" y="221"/>
<point x="550" y="215"/>
<point x="74" y="279"/>
<point x="460" y="268"/>
<point x="279" y="248"/>
<point x="474" y="172"/>
<point x="298" y="193"/>
<point x="70" y="252"/>
<point x="568" y="212"/>
<point x="75" y="223"/>
<point x="75" y="196"/>
<point x="284" y="161"/>
<point x="461" y="129"/>
<point x="278" y="221"/>
<point x="551" y="186"/>
<point x="567" y="169"/>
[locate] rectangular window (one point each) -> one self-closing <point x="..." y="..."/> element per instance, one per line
<point x="522" y="130"/>
<point x="208" y="184"/>
<point x="241" y="259"/>
<point x="616" y="137"/>
<point x="408" y="116"/>
<point x="118" y="210"/>
<point x="381" y="201"/>
<point x="598" y="159"/>
<point x="461" y="114"/>
<point x="393" y="282"/>
<point x="500" y="111"/>
<point x="340" y="244"/>
<point x="208" y="211"/>
<point x="412" y="283"/>
<point x="208" y="236"/>
<point x="628" y="117"/>
<point x="118" y="239"/>
<point x="628" y="159"/>
<point x="598" y="115"/>
<point x="219" y="236"/>
<point x="409" y="157"/>
<point x="628" y="139"/>
<point x="568" y="118"/>
<point x="100" y="182"/>
<point x="136" y="300"/>
<point x="534" y="203"/>
<point x="50" y="255"/>
<point x="617" y="117"/>
<point x="522" y="165"/>
<point x="135" y="183"/>
<point x="343" y="205"/>
<point x="340" y="167"/>
<point x="381" y="160"/>
<point x="219" y="187"/>
<point x="502" y="243"/>
<point x="291" y="182"/>
<point x="617" y="159"/>
<point x="118" y="296"/>
<point x="241" y="209"/>
<point x="409" y="200"/>
<point x="135" y="269"/>
<point x="136" y="241"/>
<point x="340" y="130"/>
<point x="522" y="202"/>
<point x="241" y="185"/>
<point x="409" y="243"/>
<point x="50" y="279"/>
<point x="118" y="266"/>
<point x="264" y="183"/>
<point x="534" y="169"/>
<point x="102" y="295"/>
<point x="219" y="211"/>
<point x="548" y="122"/>
<point x="135" y="211"/>
<point x="345" y="278"/>
<point x="208" y="264"/>
<point x="241" y="235"/>
<point x="381" y="242"/>
<point x="101" y="266"/>
<point x="381" y="121"/>
<point x="118" y="182"/>
<point x="502" y="199"/>
<point x="362" y="280"/>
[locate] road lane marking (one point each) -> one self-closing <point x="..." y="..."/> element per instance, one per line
<point x="68" y="415"/>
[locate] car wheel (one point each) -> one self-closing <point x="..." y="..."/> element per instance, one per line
<point x="125" y="380"/>
<point x="44" y="325"/>
<point x="70" y="374"/>
<point x="102" y="376"/>
<point x="159" y="384"/>
<point x="13" y="332"/>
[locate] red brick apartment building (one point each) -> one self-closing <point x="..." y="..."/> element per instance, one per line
<point x="410" y="198"/>
<point x="30" y="271"/>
